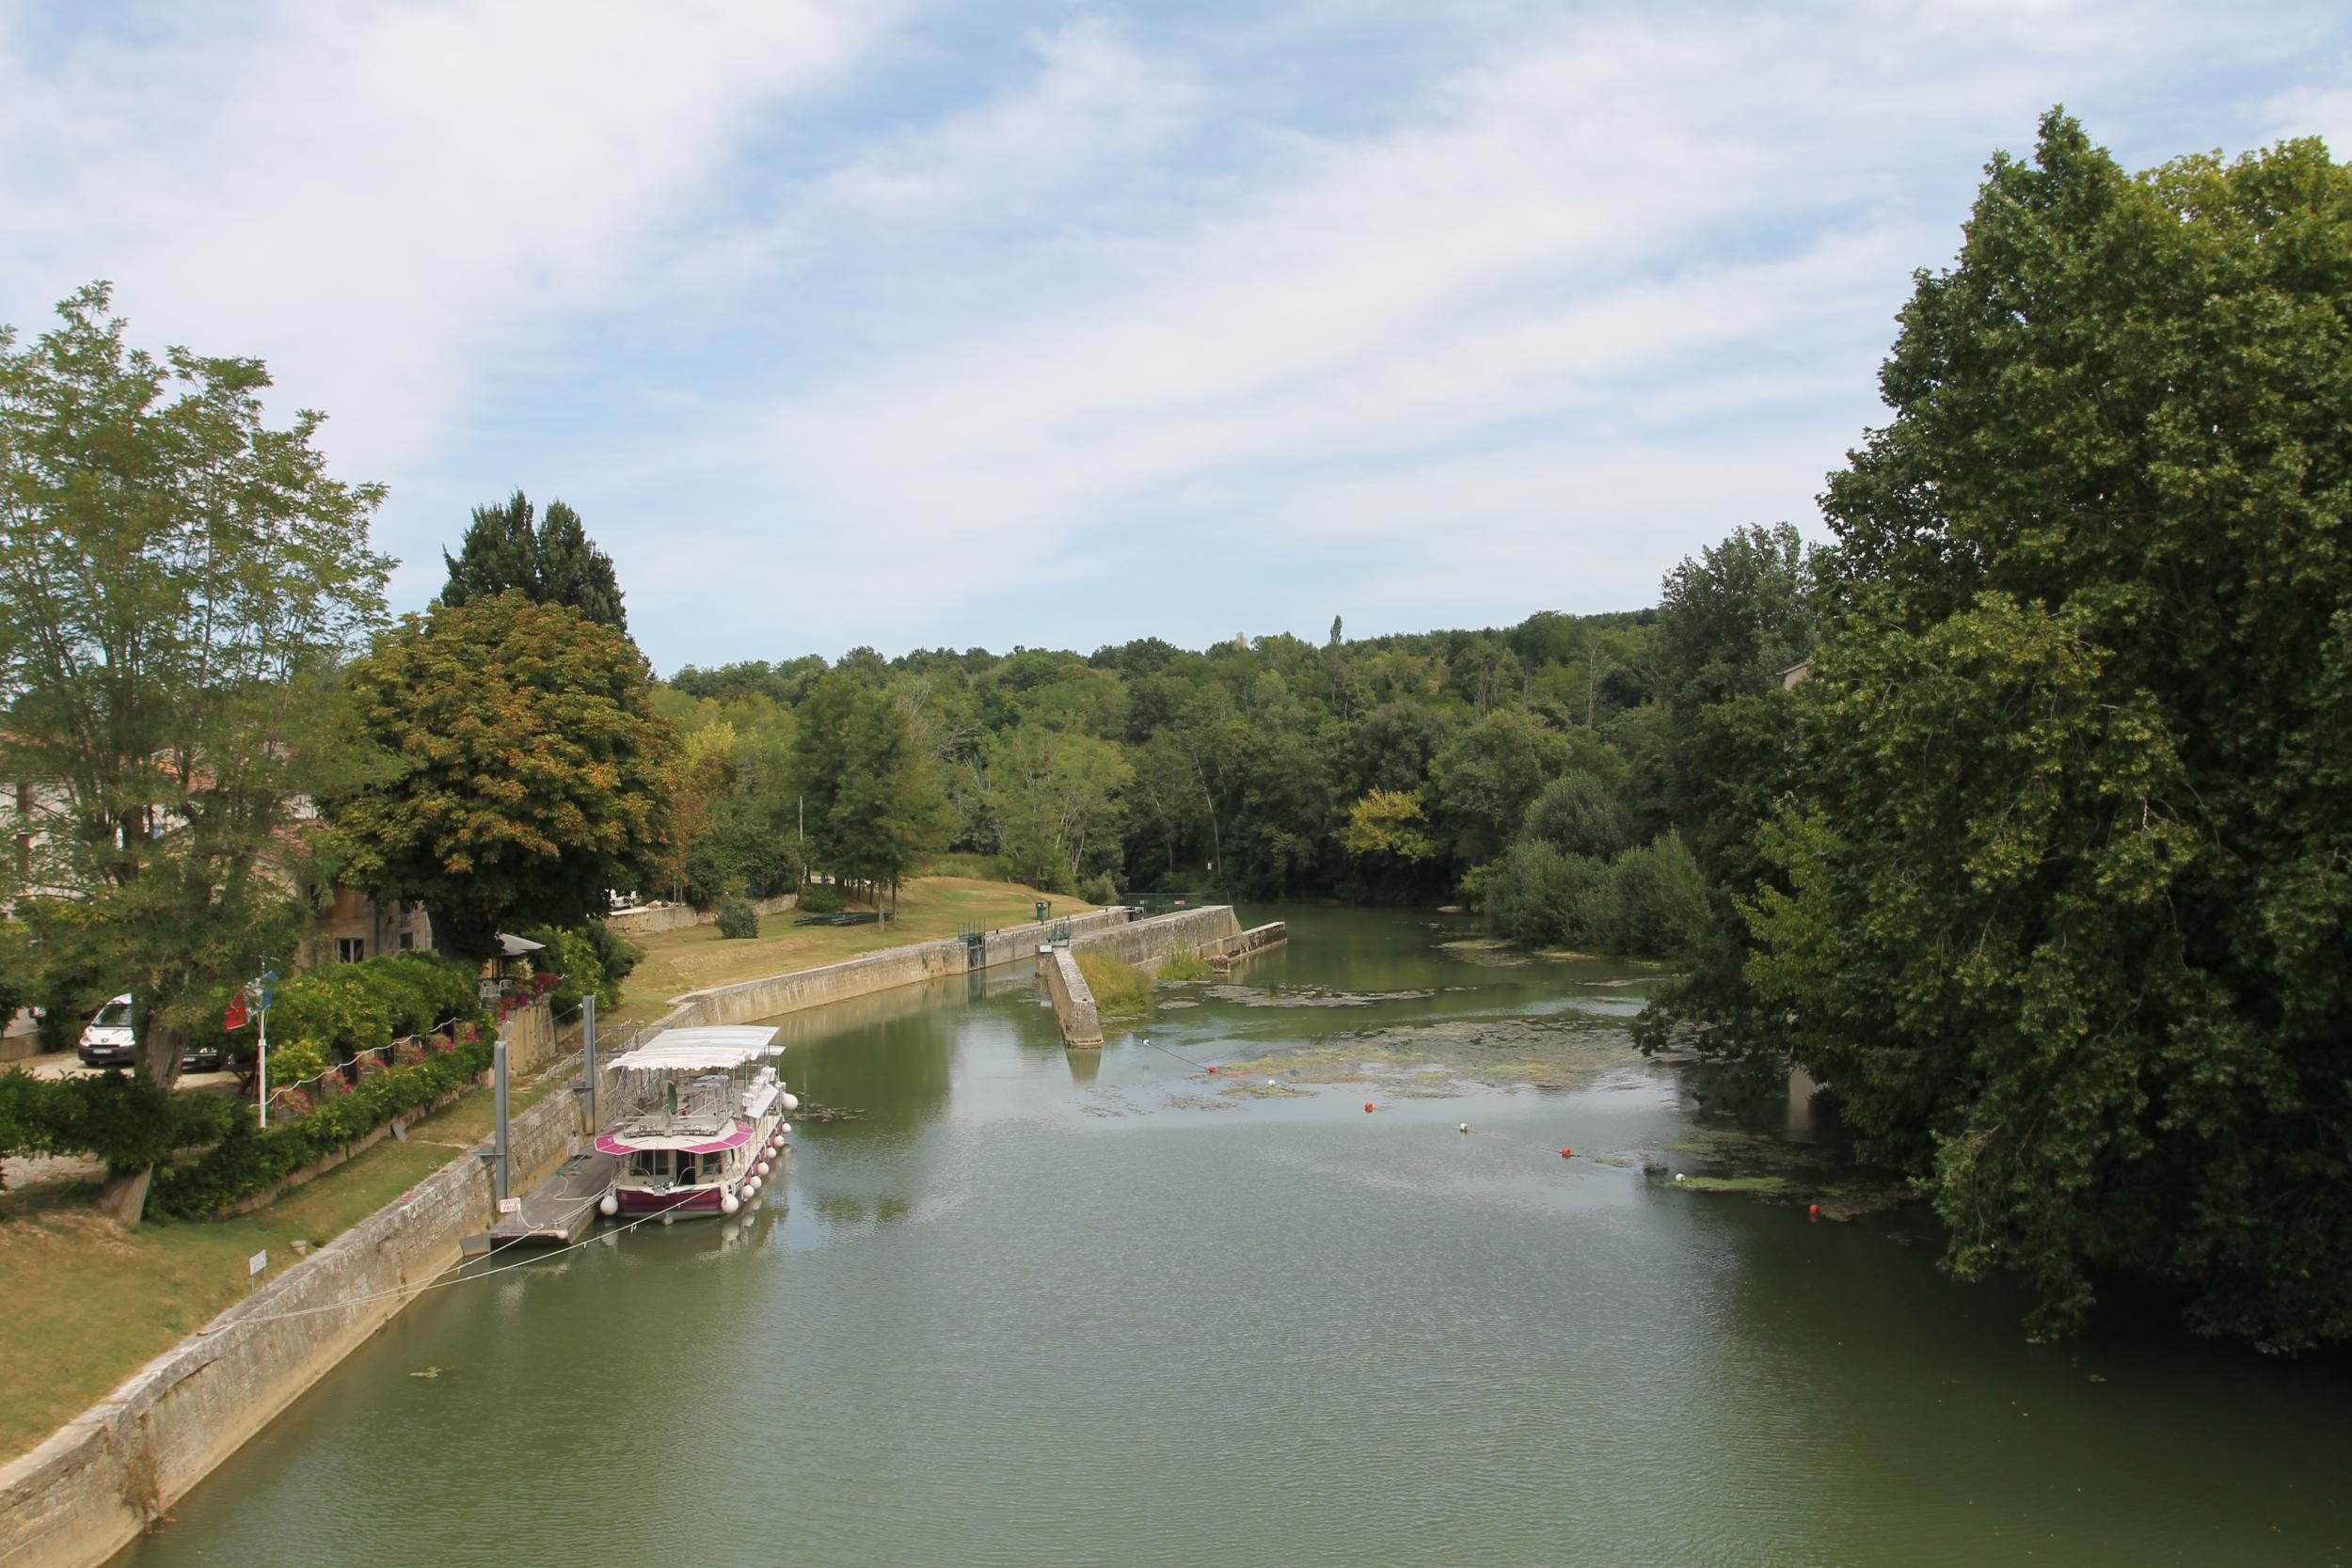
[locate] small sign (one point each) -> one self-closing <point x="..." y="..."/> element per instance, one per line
<point x="256" y="1263"/>
<point x="510" y="1206"/>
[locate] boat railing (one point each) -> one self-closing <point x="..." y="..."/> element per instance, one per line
<point x="668" y="1106"/>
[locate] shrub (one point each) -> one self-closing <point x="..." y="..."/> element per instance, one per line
<point x="1119" y="988"/>
<point x="1185" y="967"/>
<point x="1578" y="815"/>
<point x="127" y="1121"/>
<point x="1540" y="897"/>
<point x="574" y="955"/>
<point x="614" y="952"/>
<point x="295" y="1062"/>
<point x="821" y="898"/>
<point x="245" y="1159"/>
<point x="735" y="918"/>
<point x="1659" y="900"/>
<point x="1098" y="889"/>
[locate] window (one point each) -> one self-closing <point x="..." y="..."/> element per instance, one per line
<point x="408" y="942"/>
<point x="350" y="950"/>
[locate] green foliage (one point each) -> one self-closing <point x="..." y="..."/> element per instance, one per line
<point x="1578" y="815"/>
<point x="1539" y="897"/>
<point x="873" y="800"/>
<point x="821" y="898"/>
<point x="1120" y="989"/>
<point x="551" y="562"/>
<point x="536" y="773"/>
<point x="1185" y="967"/>
<point x="1658" y="900"/>
<point x="1098" y="889"/>
<point x="735" y="918"/>
<point x="177" y="583"/>
<point x="247" y="1160"/>
<point x="2061" y="911"/>
<point x="127" y="1120"/>
<point x="577" y="955"/>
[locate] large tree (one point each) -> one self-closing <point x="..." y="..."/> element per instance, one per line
<point x="548" y="561"/>
<point x="178" y="584"/>
<point x="871" y="795"/>
<point x="536" y="773"/>
<point x="2071" y="893"/>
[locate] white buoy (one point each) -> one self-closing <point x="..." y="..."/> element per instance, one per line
<point x="668" y="1218"/>
<point x="1466" y="1127"/>
<point x="1678" y="1176"/>
<point x="729" y="1204"/>
<point x="760" y="1169"/>
<point x="785" y="1128"/>
<point x="608" y="1205"/>
<point x="790" y="1101"/>
<point x="1269" y="1083"/>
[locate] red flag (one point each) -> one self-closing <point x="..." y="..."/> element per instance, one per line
<point x="234" y="1017"/>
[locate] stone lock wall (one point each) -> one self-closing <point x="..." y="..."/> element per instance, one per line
<point x="103" y="1476"/>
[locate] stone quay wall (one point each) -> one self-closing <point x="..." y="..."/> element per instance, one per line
<point x="1074" y="999"/>
<point x="106" y="1474"/>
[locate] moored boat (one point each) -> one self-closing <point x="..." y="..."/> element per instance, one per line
<point x="702" y="1127"/>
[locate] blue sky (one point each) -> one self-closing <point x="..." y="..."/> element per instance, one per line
<point x="1058" y="323"/>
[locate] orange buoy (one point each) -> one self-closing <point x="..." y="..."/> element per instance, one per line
<point x="1367" y="1106"/>
<point x="1567" y="1154"/>
<point x="1213" y="1067"/>
<point x="1814" y="1209"/>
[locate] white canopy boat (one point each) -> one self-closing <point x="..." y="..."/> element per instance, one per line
<point x="702" y="1122"/>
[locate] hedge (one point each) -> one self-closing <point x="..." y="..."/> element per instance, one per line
<point x="247" y="1160"/>
<point x="127" y="1121"/>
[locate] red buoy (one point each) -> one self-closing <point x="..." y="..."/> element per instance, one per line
<point x="1367" y="1104"/>
<point x="1567" y="1154"/>
<point x="1814" y="1209"/>
<point x="1213" y="1068"/>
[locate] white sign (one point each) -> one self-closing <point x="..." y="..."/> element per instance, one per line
<point x="510" y="1206"/>
<point x="256" y="1263"/>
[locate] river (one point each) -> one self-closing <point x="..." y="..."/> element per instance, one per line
<point x="1030" y="1307"/>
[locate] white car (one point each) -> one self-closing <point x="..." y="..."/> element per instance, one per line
<point x="108" y="1040"/>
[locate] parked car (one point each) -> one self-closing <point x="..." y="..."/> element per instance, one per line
<point x="204" y="1058"/>
<point x="107" y="1041"/>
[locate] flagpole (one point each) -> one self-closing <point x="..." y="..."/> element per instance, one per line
<point x="263" y="1072"/>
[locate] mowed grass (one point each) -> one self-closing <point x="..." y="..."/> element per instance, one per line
<point x="91" y="1301"/>
<point x="930" y="907"/>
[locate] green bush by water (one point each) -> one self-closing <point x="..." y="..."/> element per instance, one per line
<point x="735" y="919"/>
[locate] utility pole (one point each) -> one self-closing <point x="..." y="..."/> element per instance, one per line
<point x="499" y="1151"/>
<point x="588" y="1056"/>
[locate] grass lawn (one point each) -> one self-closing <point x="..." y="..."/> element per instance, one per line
<point x="91" y="1301"/>
<point x="930" y="907"/>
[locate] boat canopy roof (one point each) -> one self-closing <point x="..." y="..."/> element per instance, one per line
<point x="708" y="1050"/>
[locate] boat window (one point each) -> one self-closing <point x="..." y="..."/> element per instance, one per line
<point x="685" y="1169"/>
<point x="649" y="1161"/>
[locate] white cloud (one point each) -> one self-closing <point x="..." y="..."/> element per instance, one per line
<point x="389" y="203"/>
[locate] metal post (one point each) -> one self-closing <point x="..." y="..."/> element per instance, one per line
<point x="499" y="1152"/>
<point x="588" y="1054"/>
<point x="262" y="1071"/>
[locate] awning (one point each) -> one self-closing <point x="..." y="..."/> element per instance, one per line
<point x="515" y="947"/>
<point x="710" y="1049"/>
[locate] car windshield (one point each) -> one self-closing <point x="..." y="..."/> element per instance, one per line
<point x="114" y="1014"/>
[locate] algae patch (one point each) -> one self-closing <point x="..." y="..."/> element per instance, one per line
<point x="1773" y="1170"/>
<point x="1431" y="1059"/>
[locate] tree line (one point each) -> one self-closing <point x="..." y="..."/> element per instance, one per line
<point x="2014" y="811"/>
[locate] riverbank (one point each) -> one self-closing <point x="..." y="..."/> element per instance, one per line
<point x="697" y="958"/>
<point x="95" y="1301"/>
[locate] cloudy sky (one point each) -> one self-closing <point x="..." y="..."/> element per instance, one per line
<point x="890" y="323"/>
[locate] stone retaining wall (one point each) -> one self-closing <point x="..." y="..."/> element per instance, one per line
<point x="104" y="1476"/>
<point x="775" y="994"/>
<point x="1147" y="941"/>
<point x="1074" y="999"/>
<point x="658" y="918"/>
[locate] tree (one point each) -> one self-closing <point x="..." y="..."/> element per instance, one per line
<point x="871" y="795"/>
<point x="551" y="561"/>
<point x="1054" y="799"/>
<point x="178" y="583"/>
<point x="536" y="773"/>
<point x="1484" y="780"/>
<point x="2066" y="896"/>
<point x="1578" y="815"/>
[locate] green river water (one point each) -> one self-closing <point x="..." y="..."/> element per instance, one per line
<point x="1033" y="1307"/>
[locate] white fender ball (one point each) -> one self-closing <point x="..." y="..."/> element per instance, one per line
<point x="790" y="1102"/>
<point x="785" y="1128"/>
<point x="729" y="1204"/>
<point x="761" y="1168"/>
<point x="608" y="1205"/>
